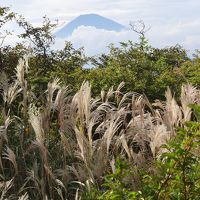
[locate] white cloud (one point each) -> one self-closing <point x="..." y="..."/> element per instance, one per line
<point x="172" y="21"/>
<point x="184" y="33"/>
<point x="121" y="10"/>
<point x="94" y="40"/>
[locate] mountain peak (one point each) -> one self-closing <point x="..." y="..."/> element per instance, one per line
<point x="89" y="14"/>
<point x="94" y="20"/>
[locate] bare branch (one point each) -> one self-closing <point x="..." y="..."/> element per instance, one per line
<point x="139" y="27"/>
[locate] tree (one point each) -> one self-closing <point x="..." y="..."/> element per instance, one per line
<point x="144" y="69"/>
<point x="5" y="16"/>
<point x="190" y="70"/>
<point x="41" y="37"/>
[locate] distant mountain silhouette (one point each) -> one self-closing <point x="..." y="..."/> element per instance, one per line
<point x="94" y="20"/>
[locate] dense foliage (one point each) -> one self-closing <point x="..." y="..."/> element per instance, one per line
<point x="61" y="145"/>
<point x="112" y="131"/>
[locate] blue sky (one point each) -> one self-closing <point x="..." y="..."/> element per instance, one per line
<point x="171" y="21"/>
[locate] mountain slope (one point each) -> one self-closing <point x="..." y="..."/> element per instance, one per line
<point x="94" y="20"/>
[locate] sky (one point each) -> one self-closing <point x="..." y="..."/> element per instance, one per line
<point x="171" y="21"/>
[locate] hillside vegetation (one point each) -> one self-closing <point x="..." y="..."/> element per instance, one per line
<point x="128" y="128"/>
<point x="62" y="145"/>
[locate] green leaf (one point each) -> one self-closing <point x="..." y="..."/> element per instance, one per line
<point x="196" y="111"/>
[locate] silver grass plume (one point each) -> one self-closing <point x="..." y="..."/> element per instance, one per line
<point x="36" y="120"/>
<point x="10" y="93"/>
<point x="188" y="96"/>
<point x="5" y="187"/>
<point x="8" y="154"/>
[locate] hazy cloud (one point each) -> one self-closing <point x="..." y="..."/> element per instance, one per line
<point x="95" y="40"/>
<point x="171" y="21"/>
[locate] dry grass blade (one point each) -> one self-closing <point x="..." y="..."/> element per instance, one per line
<point x="103" y="95"/>
<point x="24" y="197"/>
<point x="3" y="129"/>
<point x="61" y="97"/>
<point x="125" y="145"/>
<point x="33" y="176"/>
<point x="113" y="126"/>
<point x="3" y="137"/>
<point x="20" y="72"/>
<point x="173" y="112"/>
<point x="83" y="99"/>
<point x="118" y="91"/>
<point x="109" y="94"/>
<point x="67" y="146"/>
<point x="42" y="149"/>
<point x="8" y="154"/>
<point x="5" y="187"/>
<point x="35" y="118"/>
<point x="159" y="136"/>
<point x="77" y="195"/>
<point x="124" y="99"/>
<point x="11" y="93"/>
<point x="188" y="96"/>
<point x="83" y="145"/>
<point x="52" y="87"/>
